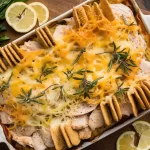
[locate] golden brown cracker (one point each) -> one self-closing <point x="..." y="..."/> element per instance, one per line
<point x="76" y="18"/>
<point x="146" y="90"/>
<point x="112" y="109"/>
<point x="139" y="100"/>
<point x="2" y="64"/>
<point x="6" y="57"/>
<point x="147" y="84"/>
<point x="133" y="105"/>
<point x="16" y="48"/>
<point x="40" y="37"/>
<point x="82" y="15"/>
<point x="97" y="10"/>
<point x="49" y="35"/>
<point x="57" y="137"/>
<point x="143" y="97"/>
<point x="117" y="107"/>
<point x="1" y="70"/>
<point x="89" y="12"/>
<point x="10" y="55"/>
<point x="106" y="114"/>
<point x="16" y="56"/>
<point x="62" y="128"/>
<point x="47" y="40"/>
<point x="72" y="134"/>
<point x="107" y="10"/>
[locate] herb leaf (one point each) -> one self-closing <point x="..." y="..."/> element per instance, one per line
<point x="121" y="91"/>
<point x="45" y="71"/>
<point x="4" y="38"/>
<point x="2" y="28"/>
<point x="85" y="86"/>
<point x="79" y="55"/>
<point x="126" y="23"/>
<point x="5" y="85"/>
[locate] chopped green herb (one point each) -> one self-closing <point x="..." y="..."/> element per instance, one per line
<point x="126" y="23"/>
<point x="4" y="38"/>
<point x="5" y="85"/>
<point x="85" y="86"/>
<point x="79" y="55"/>
<point x="2" y="28"/>
<point x="121" y="91"/>
<point x="45" y="71"/>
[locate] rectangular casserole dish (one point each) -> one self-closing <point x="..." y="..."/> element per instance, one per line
<point x="146" y="22"/>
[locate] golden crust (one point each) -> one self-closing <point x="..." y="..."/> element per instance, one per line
<point x="57" y="137"/>
<point x="6" y="57"/>
<point x="14" y="53"/>
<point x="133" y="105"/>
<point x="106" y="114"/>
<point x="2" y="64"/>
<point x="97" y="11"/>
<point x="76" y="18"/>
<point x="82" y="15"/>
<point x="89" y="12"/>
<point x="10" y="55"/>
<point x="112" y="109"/>
<point x="107" y="11"/>
<point x="117" y="107"/>
<point x="41" y="39"/>
<point x="62" y="128"/>
<point x="143" y="97"/>
<point x="72" y="134"/>
<point x="47" y="31"/>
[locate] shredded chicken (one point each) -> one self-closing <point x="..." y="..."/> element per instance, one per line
<point x="80" y="122"/>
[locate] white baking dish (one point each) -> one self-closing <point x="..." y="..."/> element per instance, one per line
<point x="146" y="21"/>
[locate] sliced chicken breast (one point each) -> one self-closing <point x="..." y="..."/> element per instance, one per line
<point x="22" y="140"/>
<point x="24" y="131"/>
<point x="85" y="133"/>
<point x="6" y="118"/>
<point x="46" y="137"/>
<point x="126" y="109"/>
<point x="32" y="46"/>
<point x="37" y="141"/>
<point x="96" y="119"/>
<point x="82" y="109"/>
<point x="79" y="122"/>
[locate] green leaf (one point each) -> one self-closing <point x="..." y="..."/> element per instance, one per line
<point x="2" y="28"/>
<point x="4" y="38"/>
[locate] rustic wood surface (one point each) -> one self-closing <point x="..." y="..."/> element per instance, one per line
<point x="57" y="7"/>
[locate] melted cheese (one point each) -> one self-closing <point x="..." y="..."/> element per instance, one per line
<point x="96" y="37"/>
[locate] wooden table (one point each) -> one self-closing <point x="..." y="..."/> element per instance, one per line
<point x="57" y="7"/>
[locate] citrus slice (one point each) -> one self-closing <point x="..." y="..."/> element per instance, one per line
<point x="141" y="126"/>
<point x="126" y="141"/>
<point x="21" y="17"/>
<point x="42" y="12"/>
<point x="144" y="142"/>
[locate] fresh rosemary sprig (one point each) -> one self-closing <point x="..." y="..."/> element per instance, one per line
<point x="121" y="91"/>
<point x="126" y="23"/>
<point x="122" y="58"/>
<point x="45" y="71"/>
<point x="5" y="85"/>
<point x="70" y="73"/>
<point x="62" y="91"/>
<point x="85" y="86"/>
<point x="79" y="55"/>
<point x="26" y="97"/>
